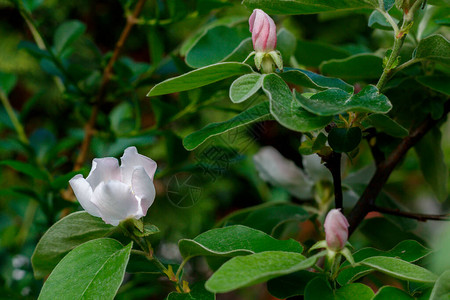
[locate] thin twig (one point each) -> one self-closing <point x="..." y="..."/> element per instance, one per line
<point x="385" y="168"/>
<point x="419" y="217"/>
<point x="89" y="129"/>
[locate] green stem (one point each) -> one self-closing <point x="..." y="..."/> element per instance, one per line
<point x="177" y="275"/>
<point x="398" y="43"/>
<point x="14" y="120"/>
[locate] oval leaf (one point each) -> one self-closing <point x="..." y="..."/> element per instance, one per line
<point x="287" y="109"/>
<point x="66" y="34"/>
<point x="344" y="140"/>
<point x="315" y="81"/>
<point x="435" y="47"/>
<point x="441" y="289"/>
<point x="93" y="270"/>
<point x="199" y="78"/>
<point x="234" y="240"/>
<point x="66" y="234"/>
<point x="248" y="270"/>
<point x="390" y="292"/>
<point x="245" y="86"/>
<point x="356" y="67"/>
<point x="319" y="288"/>
<point x="399" y="268"/>
<point x="334" y="101"/>
<point x="385" y="124"/>
<point x="257" y="113"/>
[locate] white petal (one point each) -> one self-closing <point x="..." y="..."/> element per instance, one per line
<point x="116" y="202"/>
<point x="83" y="192"/>
<point x="143" y="188"/>
<point x="132" y="159"/>
<point x="103" y="169"/>
<point x="281" y="172"/>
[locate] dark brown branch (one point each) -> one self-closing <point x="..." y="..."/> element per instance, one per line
<point x="419" y="217"/>
<point x="385" y="168"/>
<point x="89" y="129"/>
<point x="333" y="163"/>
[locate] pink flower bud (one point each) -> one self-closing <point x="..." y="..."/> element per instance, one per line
<point x="336" y="229"/>
<point x="264" y="31"/>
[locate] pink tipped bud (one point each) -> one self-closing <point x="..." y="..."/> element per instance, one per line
<point x="264" y="31"/>
<point x="336" y="229"/>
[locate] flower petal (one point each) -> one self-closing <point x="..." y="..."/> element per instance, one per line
<point x="103" y="169"/>
<point x="132" y="159"/>
<point x="116" y="202"/>
<point x="143" y="188"/>
<point x="83" y="191"/>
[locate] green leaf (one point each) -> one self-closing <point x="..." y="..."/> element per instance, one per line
<point x="26" y="169"/>
<point x="7" y="82"/>
<point x="233" y="241"/>
<point x="399" y="268"/>
<point x="198" y="292"/>
<point x="257" y="113"/>
<point x="438" y="83"/>
<point x="432" y="163"/>
<point x="287" y="109"/>
<point x="390" y="292"/>
<point x="435" y="48"/>
<point x="66" y="234"/>
<point x="245" y="86"/>
<point x="408" y="250"/>
<point x="335" y="101"/>
<point x="291" y="285"/>
<point x="93" y="270"/>
<point x="199" y="78"/>
<point x="441" y="288"/>
<point x="312" y="53"/>
<point x="286" y="44"/>
<point x="312" y="80"/>
<point x="344" y="139"/>
<point x="385" y="124"/>
<point x="299" y="7"/>
<point x="378" y="21"/>
<point x="319" y="288"/>
<point x="356" y="67"/>
<point x="66" y="34"/>
<point x="248" y="270"/>
<point x="215" y="45"/>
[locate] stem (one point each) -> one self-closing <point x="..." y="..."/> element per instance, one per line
<point x="419" y="217"/>
<point x="333" y="163"/>
<point x="177" y="275"/>
<point x="89" y="129"/>
<point x="389" y="19"/>
<point x="14" y="120"/>
<point x="398" y="43"/>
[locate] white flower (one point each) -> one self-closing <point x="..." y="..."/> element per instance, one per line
<point x="281" y="172"/>
<point x="117" y="193"/>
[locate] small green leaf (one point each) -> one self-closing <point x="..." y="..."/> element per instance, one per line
<point x="287" y="109"/>
<point x="245" y="86"/>
<point x="198" y="292"/>
<point x="356" y="67"/>
<point x="299" y="7"/>
<point x="385" y="124"/>
<point x="432" y="163"/>
<point x="93" y="270"/>
<point x="26" y="169"/>
<point x="335" y="101"/>
<point x="408" y="250"/>
<point x="66" y="234"/>
<point x="441" y="288"/>
<point x="319" y="288"/>
<point x="233" y="241"/>
<point x="199" y="78"/>
<point x="66" y="34"/>
<point x="390" y="292"/>
<point x="292" y="284"/>
<point x="438" y="83"/>
<point x="312" y="80"/>
<point x="344" y="140"/>
<point x="257" y="113"/>
<point x="248" y="270"/>
<point x="399" y="268"/>
<point x="378" y="21"/>
<point x="7" y="82"/>
<point x="435" y="47"/>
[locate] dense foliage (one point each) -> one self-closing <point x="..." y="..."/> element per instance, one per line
<point x="255" y="142"/>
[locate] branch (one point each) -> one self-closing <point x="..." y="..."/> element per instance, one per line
<point x="333" y="163"/>
<point x="384" y="169"/>
<point x="419" y="217"/>
<point x="107" y="73"/>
